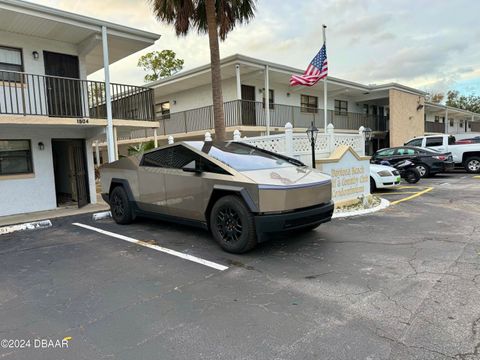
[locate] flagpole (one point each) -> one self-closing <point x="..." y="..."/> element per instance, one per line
<point x="324" y="86"/>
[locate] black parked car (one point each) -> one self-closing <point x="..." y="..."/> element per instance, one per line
<point x="428" y="162"/>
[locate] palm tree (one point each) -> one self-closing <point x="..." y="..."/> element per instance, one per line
<point x="215" y="17"/>
<point x="141" y="148"/>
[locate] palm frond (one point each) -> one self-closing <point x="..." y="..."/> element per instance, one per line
<point x="229" y="14"/>
<point x="177" y="12"/>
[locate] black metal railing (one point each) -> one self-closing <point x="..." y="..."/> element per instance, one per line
<point x="435" y="127"/>
<point x="252" y="113"/>
<point x="29" y="94"/>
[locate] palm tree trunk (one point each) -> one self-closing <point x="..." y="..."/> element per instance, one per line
<point x="218" y="115"/>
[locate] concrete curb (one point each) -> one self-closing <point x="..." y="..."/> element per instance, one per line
<point x="384" y="203"/>
<point x="101" y="215"/>
<point x="35" y="225"/>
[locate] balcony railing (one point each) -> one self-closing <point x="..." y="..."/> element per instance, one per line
<point x="434" y="127"/>
<point x="251" y="113"/>
<point x="29" y="94"/>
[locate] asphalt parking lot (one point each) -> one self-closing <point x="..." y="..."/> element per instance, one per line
<point x="403" y="283"/>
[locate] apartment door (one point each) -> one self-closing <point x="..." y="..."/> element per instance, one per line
<point x="248" y="105"/>
<point x="380" y="124"/>
<point x="70" y="170"/>
<point x="63" y="93"/>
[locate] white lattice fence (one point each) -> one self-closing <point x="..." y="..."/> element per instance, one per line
<point x="274" y="143"/>
<point x="356" y="141"/>
<point x="298" y="144"/>
<point x="301" y="144"/>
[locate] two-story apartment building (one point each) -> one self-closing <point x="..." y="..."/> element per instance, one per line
<point x="393" y="111"/>
<point x="449" y="120"/>
<point x="50" y="113"/>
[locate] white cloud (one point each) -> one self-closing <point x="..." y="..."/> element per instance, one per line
<point x="409" y="41"/>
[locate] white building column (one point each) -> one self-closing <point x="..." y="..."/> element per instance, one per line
<point x="447" y="122"/>
<point x="108" y="97"/>
<point x="155" y="138"/>
<point x="267" y="100"/>
<point x="115" y="144"/>
<point x="97" y="153"/>
<point x="473" y="117"/>
<point x="239" y="83"/>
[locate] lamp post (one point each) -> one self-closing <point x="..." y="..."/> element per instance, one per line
<point x="312" y="133"/>
<point x="368" y="136"/>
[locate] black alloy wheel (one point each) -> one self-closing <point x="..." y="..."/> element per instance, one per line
<point x="229" y="224"/>
<point x="232" y="224"/>
<point x="120" y="206"/>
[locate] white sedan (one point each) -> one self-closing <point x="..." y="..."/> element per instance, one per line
<point x="382" y="176"/>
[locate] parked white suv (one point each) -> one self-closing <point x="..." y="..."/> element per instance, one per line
<point x="466" y="155"/>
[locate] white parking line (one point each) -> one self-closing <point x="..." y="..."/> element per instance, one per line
<point x="156" y="247"/>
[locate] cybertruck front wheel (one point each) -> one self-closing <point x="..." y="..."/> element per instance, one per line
<point x="233" y="225"/>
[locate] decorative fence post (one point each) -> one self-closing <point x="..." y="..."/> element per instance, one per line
<point x="361" y="132"/>
<point x="237" y="135"/>
<point x="208" y="136"/>
<point x="331" y="137"/>
<point x="289" y="139"/>
<point x="170" y="139"/>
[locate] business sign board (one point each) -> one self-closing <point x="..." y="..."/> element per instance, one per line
<point x="350" y="174"/>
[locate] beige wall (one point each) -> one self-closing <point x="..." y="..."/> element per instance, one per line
<point x="406" y="121"/>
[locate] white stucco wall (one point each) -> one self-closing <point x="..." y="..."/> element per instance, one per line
<point x="29" y="44"/>
<point x="458" y="126"/>
<point x="202" y="96"/>
<point x="32" y="98"/>
<point x="38" y="193"/>
<point x="197" y="97"/>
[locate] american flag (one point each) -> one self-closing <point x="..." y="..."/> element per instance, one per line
<point x="316" y="70"/>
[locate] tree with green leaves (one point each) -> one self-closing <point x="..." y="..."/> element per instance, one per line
<point x="215" y="18"/>
<point x="466" y="102"/>
<point x="160" y="64"/>
<point x="436" y="97"/>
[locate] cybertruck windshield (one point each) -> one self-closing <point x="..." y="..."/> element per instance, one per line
<point x="243" y="157"/>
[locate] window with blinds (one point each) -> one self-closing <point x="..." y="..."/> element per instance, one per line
<point x="10" y="60"/>
<point x="15" y="157"/>
<point x="308" y="103"/>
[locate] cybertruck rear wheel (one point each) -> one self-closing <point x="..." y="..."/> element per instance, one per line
<point x="120" y="207"/>
<point x="232" y="225"/>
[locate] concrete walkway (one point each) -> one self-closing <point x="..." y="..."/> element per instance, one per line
<point x="52" y="214"/>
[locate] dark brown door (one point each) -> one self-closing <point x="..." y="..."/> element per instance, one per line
<point x="248" y="105"/>
<point x="63" y="94"/>
<point x="70" y="171"/>
<point x="80" y="171"/>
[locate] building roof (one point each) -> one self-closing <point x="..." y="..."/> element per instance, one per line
<point x="275" y="67"/>
<point x="41" y="21"/>
<point x="451" y="109"/>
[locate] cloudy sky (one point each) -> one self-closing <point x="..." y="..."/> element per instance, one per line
<point x="428" y="44"/>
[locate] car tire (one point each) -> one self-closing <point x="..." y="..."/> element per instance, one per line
<point x="373" y="185"/>
<point x="120" y="207"/>
<point x="412" y="176"/>
<point x="423" y="169"/>
<point x="233" y="225"/>
<point x="472" y="165"/>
